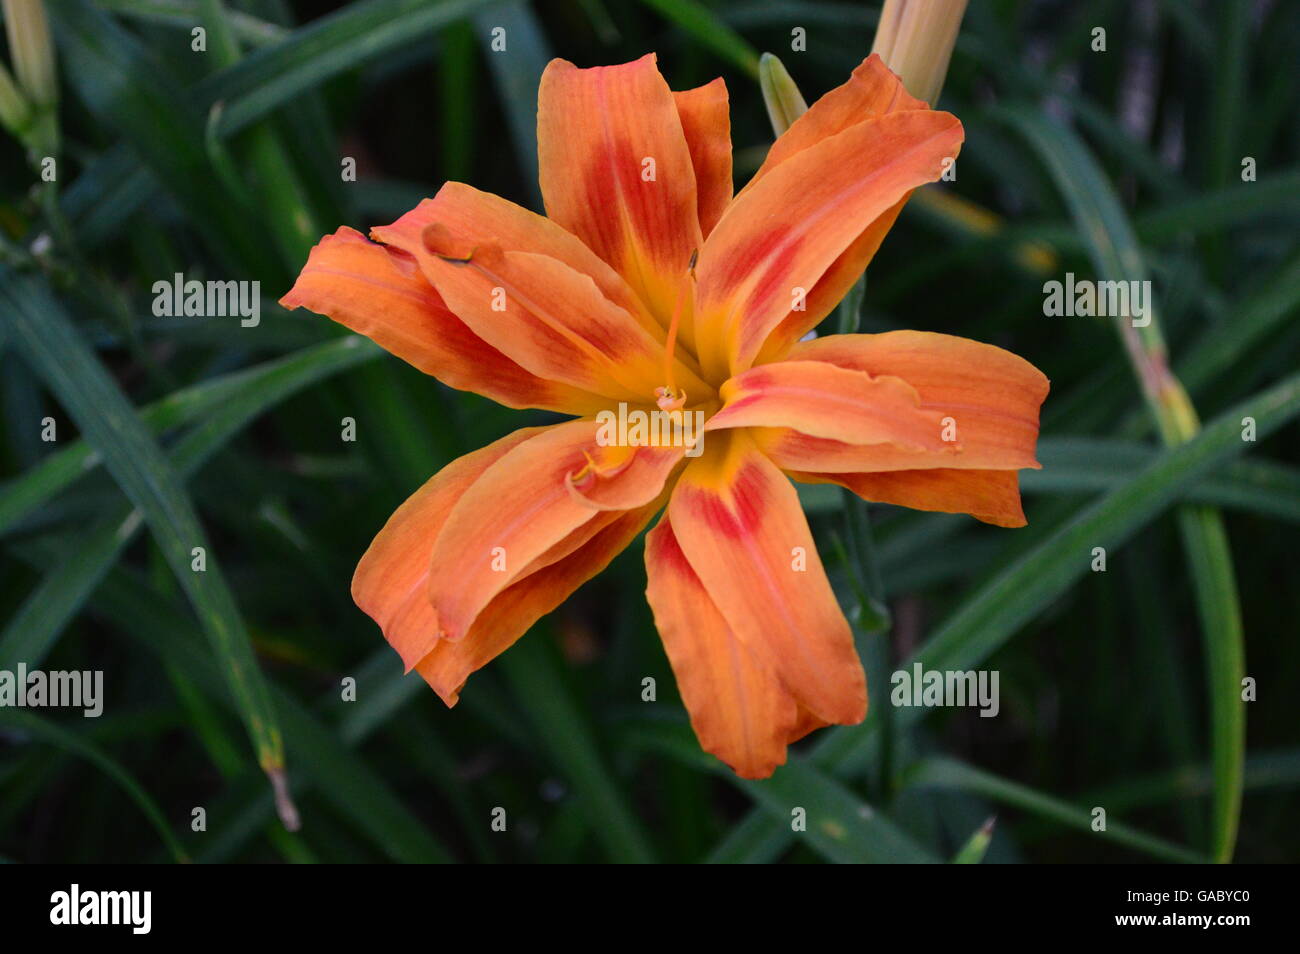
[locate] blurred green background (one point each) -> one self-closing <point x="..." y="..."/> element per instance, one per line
<point x="1117" y="688"/>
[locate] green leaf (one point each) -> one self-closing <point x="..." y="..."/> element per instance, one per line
<point x="517" y="73"/>
<point x="358" y="33"/>
<point x="1116" y="256"/>
<point x="538" y="682"/>
<point x="833" y="820"/>
<point x="699" y="21"/>
<point x="341" y="777"/>
<point x="43" y="333"/>
<point x="1251" y="322"/>
<point x="950" y="773"/>
<point x="78" y="745"/>
<point x="1086" y="464"/>
<point x="266" y="80"/>
<point x="32" y="631"/>
<point x="250" y="393"/>
<point x="118" y="78"/>
<point x="185" y="13"/>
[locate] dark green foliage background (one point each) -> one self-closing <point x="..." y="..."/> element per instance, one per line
<point x="1104" y="699"/>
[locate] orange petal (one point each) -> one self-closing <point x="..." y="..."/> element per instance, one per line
<point x="739" y="523"/>
<point x="832" y="287"/>
<point x="992" y="397"/>
<point x="992" y="496"/>
<point x="483" y="218"/>
<point x="380" y="293"/>
<point x="614" y="476"/>
<point x="706" y="120"/>
<point x="549" y="317"/>
<point x="391" y="581"/>
<point x="778" y="239"/>
<point x="510" y="614"/>
<point x="838" y="404"/>
<point x="617" y="173"/>
<point x="738" y="707"/>
<point x="872" y="90"/>
<point x="520" y="508"/>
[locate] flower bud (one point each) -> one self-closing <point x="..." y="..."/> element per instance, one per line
<point x="784" y="102"/>
<point x="915" y="39"/>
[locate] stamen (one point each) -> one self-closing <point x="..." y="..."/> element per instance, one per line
<point x="581" y="475"/>
<point x="668" y="400"/>
<point x="667" y="396"/>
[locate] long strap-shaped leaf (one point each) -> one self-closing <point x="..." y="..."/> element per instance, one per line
<point x="32" y="631"/>
<point x="837" y="823"/>
<point x="536" y="678"/>
<point x="1086" y="464"/>
<point x="341" y="776"/>
<point x="950" y="773"/>
<point x="240" y="396"/>
<point x="79" y="745"/>
<point x="43" y="333"/>
<point x="254" y="87"/>
<point x="1115" y="255"/>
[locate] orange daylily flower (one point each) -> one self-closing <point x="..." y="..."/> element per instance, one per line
<point x="649" y="285"/>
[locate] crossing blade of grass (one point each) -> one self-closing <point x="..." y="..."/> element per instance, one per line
<point x="357" y="33"/>
<point x="252" y="390"/>
<point x="32" y="631"/>
<point x="43" y="333"/>
<point x="984" y="622"/>
<point x="517" y="77"/>
<point x="697" y="20"/>
<point x="266" y="80"/>
<point x="1115" y="255"/>
<point x="106" y="194"/>
<point x="185" y="13"/>
<point x="1250" y="323"/>
<point x="1209" y="211"/>
<point x="536" y="679"/>
<point x="340" y="776"/>
<point x="1277" y="769"/>
<point x="833" y="820"/>
<point x="841" y="826"/>
<point x="950" y="773"/>
<point x="1218" y="209"/>
<point x="35" y="626"/>
<point x="280" y="192"/>
<point x="123" y="84"/>
<point x="381" y="690"/>
<point x="1085" y="464"/>
<point x="754" y="840"/>
<point x="54" y="734"/>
